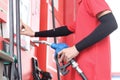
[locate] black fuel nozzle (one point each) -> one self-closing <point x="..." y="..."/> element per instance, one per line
<point x="37" y="72"/>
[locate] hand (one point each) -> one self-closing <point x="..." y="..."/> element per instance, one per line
<point x="26" y="30"/>
<point x="67" y="54"/>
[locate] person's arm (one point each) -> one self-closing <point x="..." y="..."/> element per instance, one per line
<point x="60" y="31"/>
<point x="107" y="25"/>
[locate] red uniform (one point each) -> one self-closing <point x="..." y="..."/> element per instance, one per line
<point x="95" y="60"/>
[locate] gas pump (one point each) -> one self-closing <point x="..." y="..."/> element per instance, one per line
<point x="39" y="74"/>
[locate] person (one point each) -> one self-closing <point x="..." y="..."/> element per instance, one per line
<point x="91" y="49"/>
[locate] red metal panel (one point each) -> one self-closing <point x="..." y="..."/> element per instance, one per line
<point x="2" y="17"/>
<point x="1" y="39"/>
<point x="3" y="10"/>
<point x="60" y="12"/>
<point x="59" y="20"/>
<point x="64" y="14"/>
<point x="51" y="64"/>
<point x="41" y="50"/>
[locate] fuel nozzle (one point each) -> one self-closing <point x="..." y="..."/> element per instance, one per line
<point x="58" y="47"/>
<point x="77" y="68"/>
<point x="63" y="68"/>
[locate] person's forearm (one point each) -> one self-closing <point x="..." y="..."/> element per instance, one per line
<point x="61" y="31"/>
<point x="107" y="26"/>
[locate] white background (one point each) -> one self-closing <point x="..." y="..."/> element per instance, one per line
<point x="115" y="36"/>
